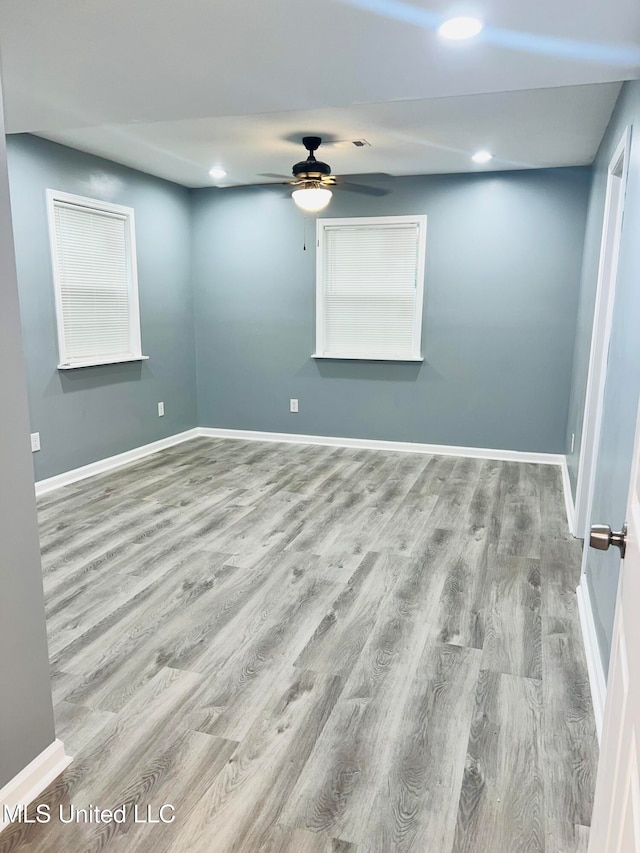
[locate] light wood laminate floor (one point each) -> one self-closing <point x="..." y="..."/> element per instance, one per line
<point x="310" y="649"/>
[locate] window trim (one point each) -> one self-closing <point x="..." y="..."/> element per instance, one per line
<point x="321" y="225"/>
<point x="92" y="204"/>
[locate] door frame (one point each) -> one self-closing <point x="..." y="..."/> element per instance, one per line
<point x="601" y="334"/>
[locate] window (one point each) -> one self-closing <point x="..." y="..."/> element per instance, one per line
<point x="95" y="280"/>
<point x="369" y="286"/>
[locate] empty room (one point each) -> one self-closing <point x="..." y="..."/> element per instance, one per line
<point x="319" y="427"/>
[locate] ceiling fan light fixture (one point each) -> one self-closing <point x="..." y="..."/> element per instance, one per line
<point x="312" y="199"/>
<point x="458" y="29"/>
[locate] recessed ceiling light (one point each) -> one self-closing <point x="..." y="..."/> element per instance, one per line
<point x="458" y="29"/>
<point x="217" y="173"/>
<point x="482" y="157"/>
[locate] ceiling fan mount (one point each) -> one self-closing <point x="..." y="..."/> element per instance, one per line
<point x="312" y="170"/>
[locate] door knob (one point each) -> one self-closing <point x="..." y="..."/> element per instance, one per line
<point x="602" y="537"/>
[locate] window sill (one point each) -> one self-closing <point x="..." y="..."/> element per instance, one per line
<point x="94" y="363"/>
<point x="363" y="357"/>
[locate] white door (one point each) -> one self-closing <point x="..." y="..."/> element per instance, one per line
<point x="615" y="826"/>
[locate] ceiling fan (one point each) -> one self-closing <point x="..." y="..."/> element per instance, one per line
<point x="313" y="180"/>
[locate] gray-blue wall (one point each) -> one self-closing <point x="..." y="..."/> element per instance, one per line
<point x="623" y="370"/>
<point x="26" y="712"/>
<point x="87" y="414"/>
<point x="502" y="285"/>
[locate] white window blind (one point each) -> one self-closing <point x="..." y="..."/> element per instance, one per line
<point x="370" y="284"/>
<point x="95" y="279"/>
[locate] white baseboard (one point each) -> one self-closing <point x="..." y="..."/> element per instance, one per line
<point x="379" y="444"/>
<point x="568" y="497"/>
<point x="34" y="778"/>
<point x="592" y="651"/>
<point x="111" y="462"/>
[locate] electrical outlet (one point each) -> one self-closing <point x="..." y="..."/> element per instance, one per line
<point x="160" y="410"/>
<point x="293" y="405"/>
<point x="573" y="441"/>
<point x="35" y="441"/>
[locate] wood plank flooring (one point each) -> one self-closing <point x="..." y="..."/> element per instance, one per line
<point x="316" y="650"/>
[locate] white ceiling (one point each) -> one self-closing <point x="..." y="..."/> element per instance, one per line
<point x="168" y="86"/>
<point x="530" y="129"/>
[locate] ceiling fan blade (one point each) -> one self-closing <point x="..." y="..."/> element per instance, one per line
<point x="362" y="188"/>
<point x="273" y="175"/>
<point x="277" y="190"/>
<point x="264" y="185"/>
